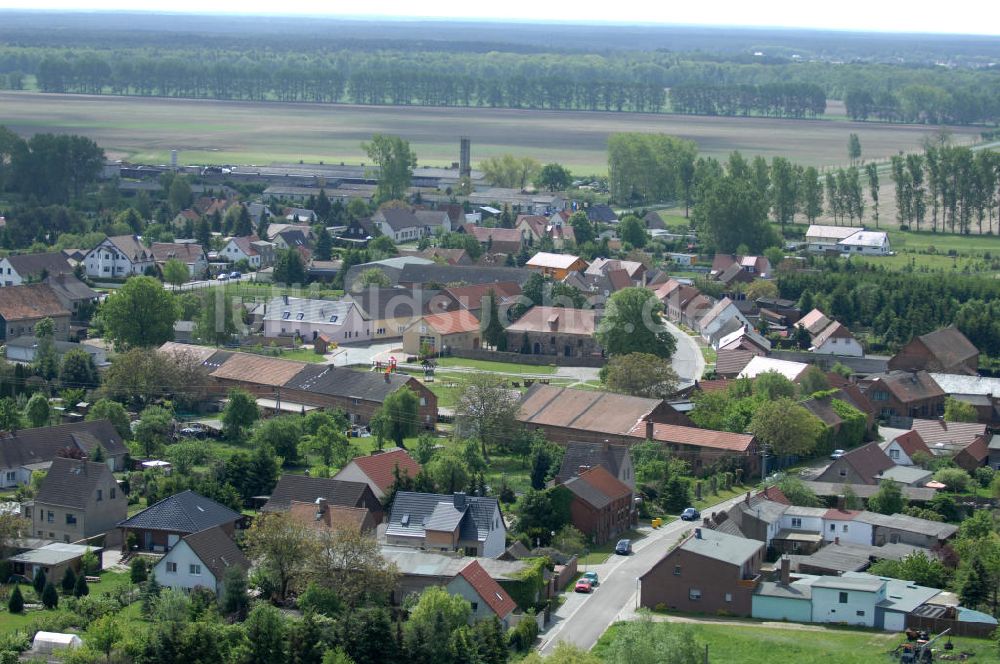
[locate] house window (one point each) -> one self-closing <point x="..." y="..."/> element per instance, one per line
<point x="195" y="570"/>
<point x="729" y="597"/>
<point x="843" y="598"/>
<point x="51" y="517"/>
<point x="100" y="495"/>
<point x="11" y="475"/>
<point x="70" y="519"/>
<point x="894" y="454"/>
<point x="860" y="614"/>
<point x="796" y="522"/>
<point x="299" y="316"/>
<point x="475" y="606"/>
<point x="285" y="315"/>
<point x="677" y="570"/>
<point x="694" y="594"/>
<point x="171" y="568"/>
<point x="333" y="319"/>
<point x="844" y="529"/>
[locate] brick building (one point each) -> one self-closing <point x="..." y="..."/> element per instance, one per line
<point x="905" y="394"/>
<point x="555" y="331"/>
<point x="946" y="351"/>
<point x="709" y="572"/>
<point x="602" y="506"/>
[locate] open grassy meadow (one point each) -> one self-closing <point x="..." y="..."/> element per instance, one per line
<point x="145" y="129"/>
<point x="748" y="644"/>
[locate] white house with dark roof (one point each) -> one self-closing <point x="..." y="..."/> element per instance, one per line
<point x="159" y="527"/>
<point x="400" y="224"/>
<point x="470" y="524"/>
<point x="200" y="560"/>
<point x="18" y="269"/>
<point x="866" y="243"/>
<point x="118" y="257"/>
<point x="35" y="449"/>
<point x="722" y="313"/>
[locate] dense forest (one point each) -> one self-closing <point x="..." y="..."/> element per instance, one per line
<point x="506" y="69"/>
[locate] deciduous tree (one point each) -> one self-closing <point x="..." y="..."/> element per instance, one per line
<point x="786" y="427"/>
<point x="486" y="409"/>
<point x="632" y="323"/>
<point x="640" y="375"/>
<point x="394" y="163"/>
<point x="139" y="314"/>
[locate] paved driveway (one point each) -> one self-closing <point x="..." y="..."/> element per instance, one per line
<point x="583" y="618"/>
<point x="688" y="361"/>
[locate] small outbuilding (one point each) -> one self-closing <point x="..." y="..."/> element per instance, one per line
<point x="46" y="643"/>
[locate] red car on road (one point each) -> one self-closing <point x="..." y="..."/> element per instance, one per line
<point x="584" y="586"/>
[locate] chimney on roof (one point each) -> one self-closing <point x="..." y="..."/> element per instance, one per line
<point x="582" y="469"/>
<point x="320" y="507"/>
<point x="697" y="533"/>
<point x="786" y="571"/>
<point x="459" y="500"/>
<point x="650" y="429"/>
<point x="554" y="323"/>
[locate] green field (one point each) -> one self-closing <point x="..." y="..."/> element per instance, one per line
<point x="145" y="129"/>
<point x="760" y="645"/>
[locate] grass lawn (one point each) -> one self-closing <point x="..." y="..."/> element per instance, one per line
<point x="600" y="554"/>
<point x="496" y="367"/>
<point x="709" y="499"/>
<point x="9" y="622"/>
<point x="758" y="645"/>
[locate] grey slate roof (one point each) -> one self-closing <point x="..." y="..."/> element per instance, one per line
<point x="591" y="454"/>
<point x="309" y="311"/>
<point x="424" y="513"/>
<point x="71" y="482"/>
<point x="30" y="446"/>
<point x="378" y="303"/>
<point x="32" y="265"/>
<point x="337" y="381"/>
<point x="184" y="512"/>
<point x="589" y="493"/>
<point x="400" y="218"/>
<point x="720" y="546"/>
<point x="301" y="488"/>
<point x="859" y="365"/>
<point x="217" y="551"/>
<point x="908" y="523"/>
<point x="69" y="288"/>
<point x="461" y="274"/>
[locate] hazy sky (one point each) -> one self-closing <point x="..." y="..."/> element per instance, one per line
<point x="957" y="16"/>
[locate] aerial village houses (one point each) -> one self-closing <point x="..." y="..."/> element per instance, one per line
<point x="603" y="506"/>
<point x="555" y="331"/>
<point x="200" y="560"/>
<point x="580" y="457"/>
<point x="159" y="527"/>
<point x="28" y="450"/>
<point x="257" y="253"/>
<point x="293" y="490"/>
<point x="378" y="470"/>
<point x="340" y="320"/>
<point x="944" y="351"/>
<point x="442" y="333"/>
<point x="557" y="266"/>
<point x="189" y="253"/>
<point x="23" y="307"/>
<point x="26" y="268"/>
<point x="118" y="257"/>
<point x="469" y="524"/>
<point x="78" y="499"/>
<point x="486" y="597"/>
<point x="905" y="394"/>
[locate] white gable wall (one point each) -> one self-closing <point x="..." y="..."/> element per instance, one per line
<point x="184" y="578"/>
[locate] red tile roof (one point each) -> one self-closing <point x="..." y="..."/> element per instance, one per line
<point x="841" y="515"/>
<point x="600" y="479"/>
<point x="30" y="302"/>
<point x="379" y="467"/>
<point x="331" y="516"/>
<point x="453" y="322"/>
<point x="681" y="435"/>
<point x="911" y="442"/>
<point x="471" y="297"/>
<point x="495" y="597"/>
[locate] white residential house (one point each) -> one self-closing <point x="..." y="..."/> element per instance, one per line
<point x="340" y="320"/>
<point x="200" y="560"/>
<point x="433" y="220"/>
<point x="821" y="238"/>
<point x="23" y="268"/>
<point x="806" y="519"/>
<point x="902" y="448"/>
<point x="258" y="253"/>
<point x="866" y="243"/>
<point x="842" y="526"/>
<point x="721" y="313"/>
<point x="118" y="257"/>
<point x="836" y="339"/>
<point x="847" y="600"/>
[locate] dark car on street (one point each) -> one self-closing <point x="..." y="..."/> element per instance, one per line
<point x="690" y="514"/>
<point x="624" y="547"/>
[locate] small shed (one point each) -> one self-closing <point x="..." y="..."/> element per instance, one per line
<point x="49" y="642"/>
<point x="323" y="344"/>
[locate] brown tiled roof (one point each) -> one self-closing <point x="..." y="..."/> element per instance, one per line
<point x="453" y="322"/>
<point x="814" y="321"/>
<point x="217" y="551"/>
<point x="537" y="223"/>
<point x="492" y="593"/>
<point x="244" y="244"/>
<point x="949" y="346"/>
<point x="823" y="409"/>
<point x="471" y="297"/>
<point x="258" y="369"/>
<point x="664" y="290"/>
<point x="722" y="262"/>
<point x="912" y="443"/>
<point x="841" y="515"/>
<point x="597" y="487"/>
<point x="583" y="409"/>
<point x="718" y="385"/>
<point x="30" y="302"/>
<point x="936" y="432"/>
<point x="732" y="362"/>
<point x="330" y="516"/>
<point x="908" y="386"/>
<point x="681" y="435"/>
<point x="832" y="330"/>
<point x="380" y="467"/>
<point x="619" y="279"/>
<point x="450" y="256"/>
<point x="186" y="252"/>
<point x="131" y="246"/>
<point x="556" y="319"/>
<point x="852" y="394"/>
<point x="977" y="450"/>
<point x="868" y="461"/>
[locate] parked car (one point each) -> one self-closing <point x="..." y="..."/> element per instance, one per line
<point x="624" y="547"/>
<point x="235" y="275"/>
<point x="690" y="514"/>
<point x="836" y="454"/>
<point x="584" y="586"/>
<point x="222" y="277"/>
<point x="192" y="432"/>
<point x="592" y="577"/>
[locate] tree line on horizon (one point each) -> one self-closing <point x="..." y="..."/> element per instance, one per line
<point x="634" y="81"/>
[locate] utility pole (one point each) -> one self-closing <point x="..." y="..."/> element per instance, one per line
<point x="763" y="463"/>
